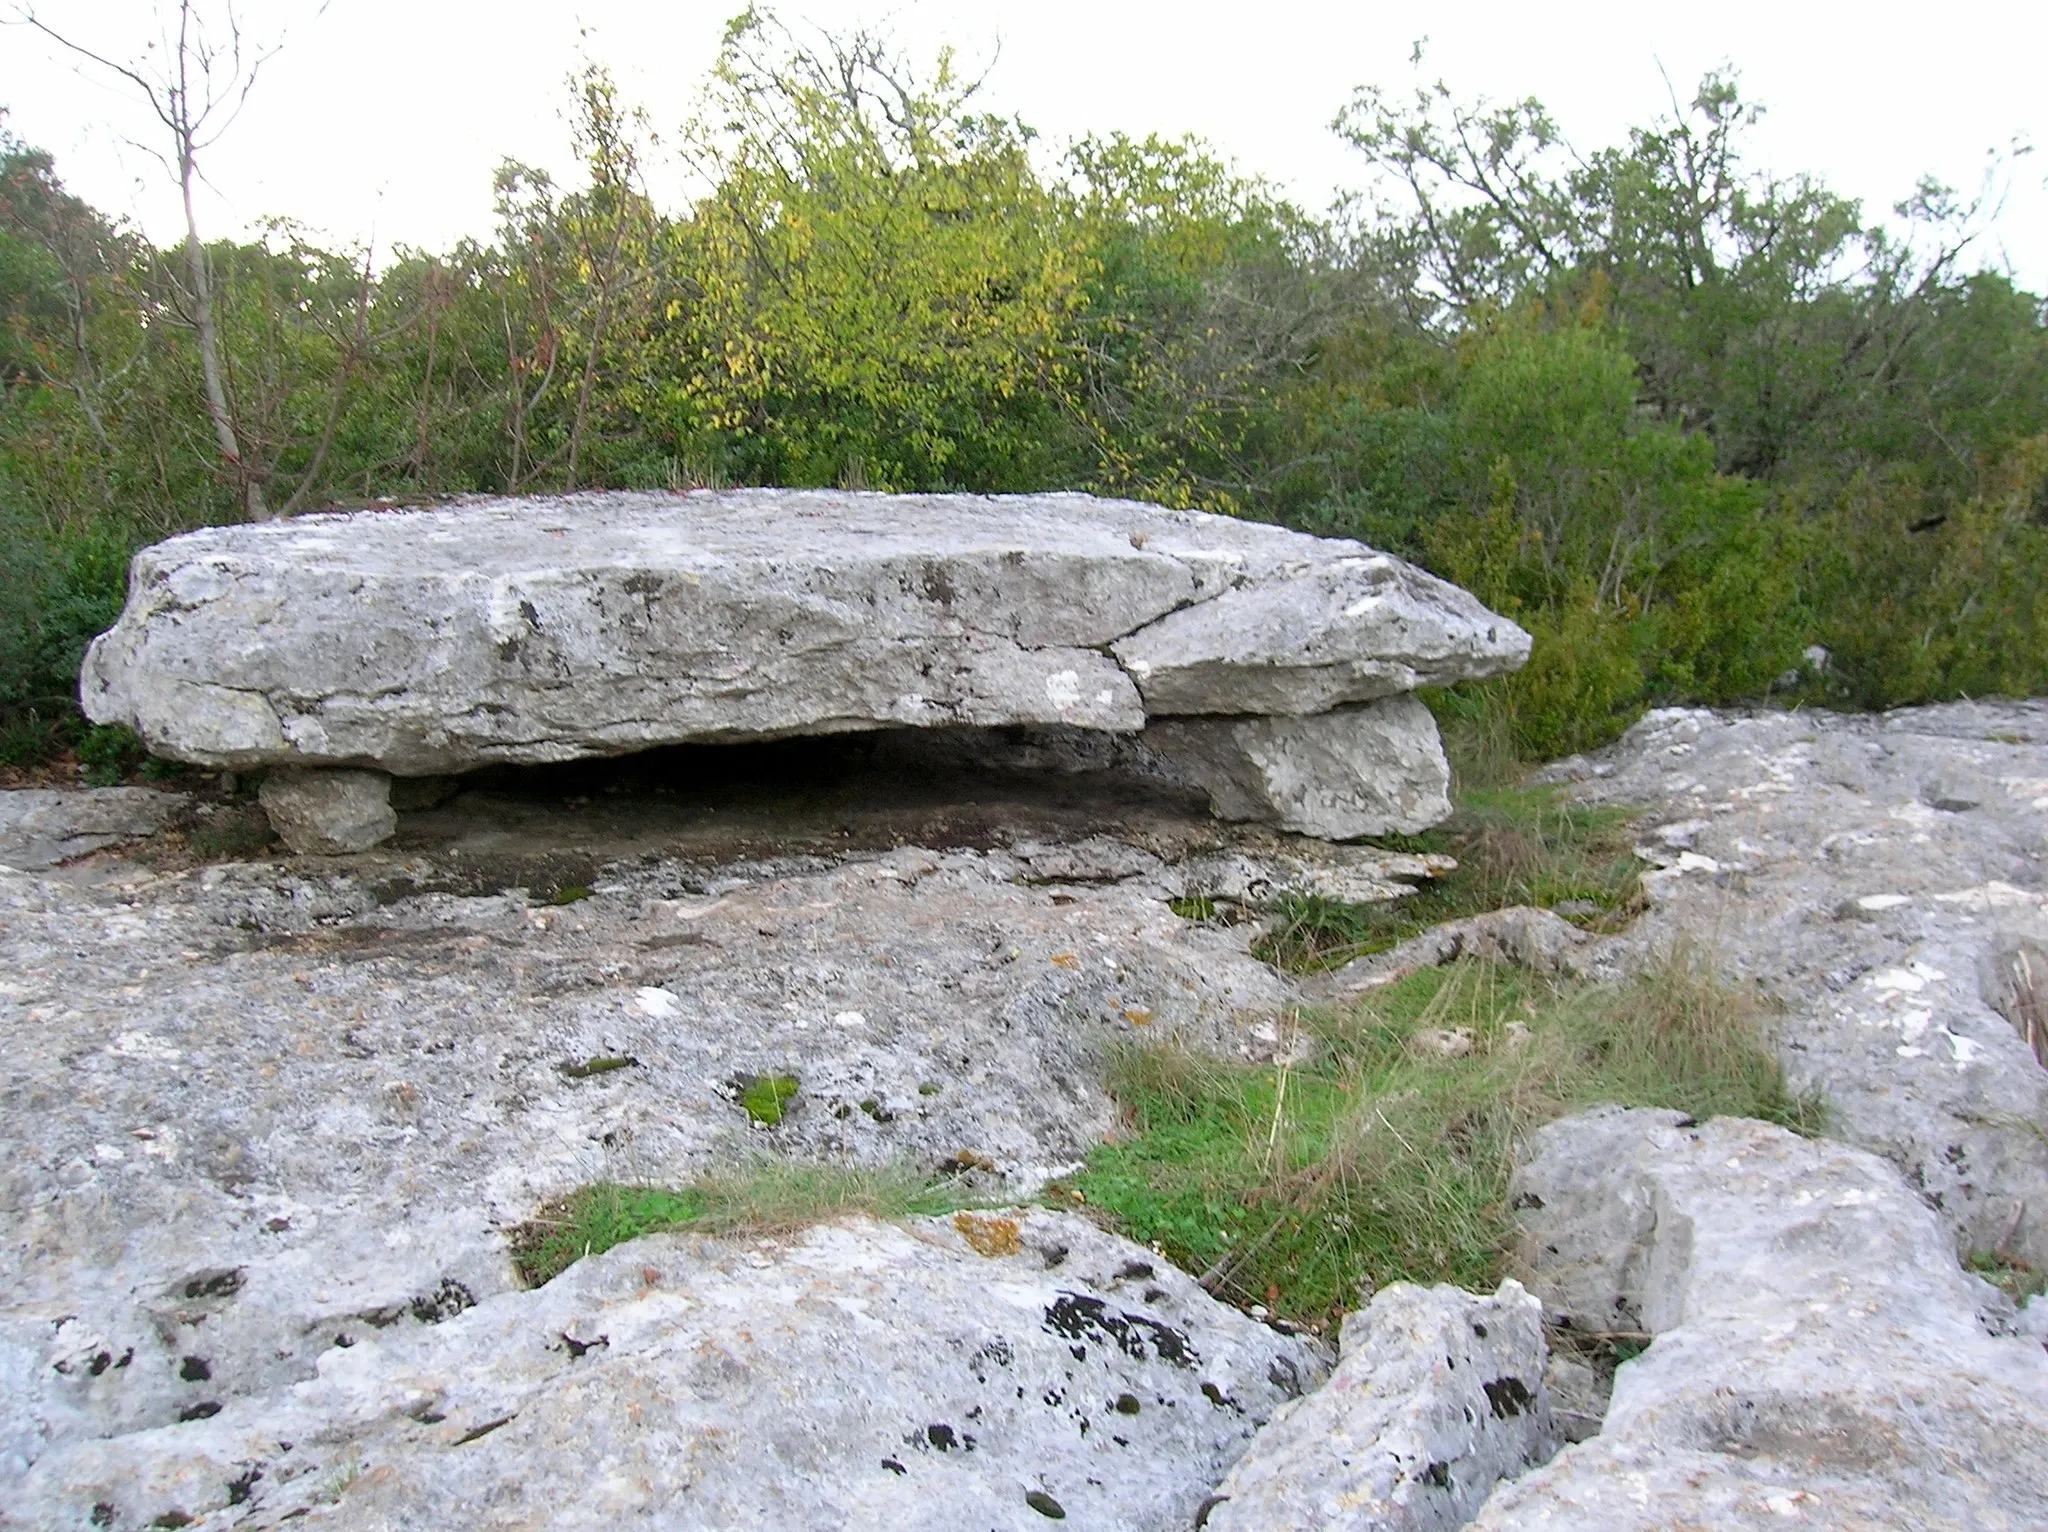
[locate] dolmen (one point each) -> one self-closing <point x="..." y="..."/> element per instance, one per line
<point x="1269" y="668"/>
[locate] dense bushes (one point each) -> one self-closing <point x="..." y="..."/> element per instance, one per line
<point x="1682" y="421"/>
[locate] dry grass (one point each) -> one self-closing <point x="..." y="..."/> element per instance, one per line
<point x="1387" y="1154"/>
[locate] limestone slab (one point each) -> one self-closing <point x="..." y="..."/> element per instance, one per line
<point x="1349" y="626"/>
<point x="424" y="641"/>
<point x="40" y="827"/>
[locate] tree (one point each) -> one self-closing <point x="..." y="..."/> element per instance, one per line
<point x="878" y="285"/>
<point x="195" y="78"/>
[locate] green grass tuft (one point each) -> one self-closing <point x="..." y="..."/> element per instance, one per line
<point x="1513" y="845"/>
<point x="1386" y="1155"/>
<point x="762" y="1196"/>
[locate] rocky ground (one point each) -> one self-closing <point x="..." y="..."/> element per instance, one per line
<point x="266" y="1121"/>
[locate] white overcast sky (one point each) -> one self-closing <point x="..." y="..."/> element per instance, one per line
<point x="385" y="118"/>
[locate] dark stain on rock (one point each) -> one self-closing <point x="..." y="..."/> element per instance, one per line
<point x="222" y="1283"/>
<point x="1079" y="1317"/>
<point x="1508" y="1396"/>
<point x="444" y="1302"/>
<point x="243" y="1486"/>
<point x="1045" y="1505"/>
<point x="206" y="1409"/>
<point x="1437" y="1475"/>
<point x="194" y="1369"/>
<point x="1127" y="1404"/>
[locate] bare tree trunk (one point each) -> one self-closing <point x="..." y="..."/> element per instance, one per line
<point x="201" y="275"/>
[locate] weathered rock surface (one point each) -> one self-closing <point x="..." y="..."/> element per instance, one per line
<point x="1437" y="1398"/>
<point x="42" y="827"/>
<point x="1819" y="1358"/>
<point x="1809" y="852"/>
<point x="329" y="813"/>
<point x="267" y="1115"/>
<point x="544" y="630"/>
<point x="1343" y="625"/>
<point x="994" y="1370"/>
<point x="1372" y="770"/>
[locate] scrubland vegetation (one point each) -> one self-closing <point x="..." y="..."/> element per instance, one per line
<point x="1680" y="417"/>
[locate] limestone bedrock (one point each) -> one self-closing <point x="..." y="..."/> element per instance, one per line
<point x="1818" y="1359"/>
<point x="425" y="641"/>
<point x="1804" y="853"/>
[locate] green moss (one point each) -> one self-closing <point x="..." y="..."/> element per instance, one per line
<point x="569" y="893"/>
<point x="597" y="1066"/>
<point x="1197" y="907"/>
<point x="1387" y="1155"/>
<point x="766" y="1097"/>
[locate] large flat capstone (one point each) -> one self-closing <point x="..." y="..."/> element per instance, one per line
<point x="425" y="641"/>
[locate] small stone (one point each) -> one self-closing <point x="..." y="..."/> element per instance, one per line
<point x="328" y="813"/>
<point x="1442" y="1042"/>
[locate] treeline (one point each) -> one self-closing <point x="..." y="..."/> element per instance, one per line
<point x="1691" y="424"/>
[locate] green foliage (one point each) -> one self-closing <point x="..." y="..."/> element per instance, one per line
<point x="108" y="753"/>
<point x="879" y="285"/>
<point x="760" y="1196"/>
<point x="2008" y="1273"/>
<point x="1386" y="1156"/>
